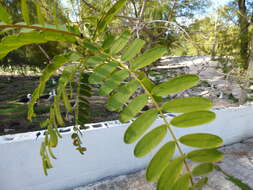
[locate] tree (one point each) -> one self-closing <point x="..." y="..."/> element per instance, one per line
<point x="242" y="11"/>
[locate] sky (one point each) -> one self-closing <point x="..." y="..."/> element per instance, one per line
<point x="220" y="2"/>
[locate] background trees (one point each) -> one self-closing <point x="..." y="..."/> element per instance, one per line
<point x="33" y="56"/>
<point x="184" y="27"/>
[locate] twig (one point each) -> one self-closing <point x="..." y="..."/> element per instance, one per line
<point x="45" y="53"/>
<point x="40" y="28"/>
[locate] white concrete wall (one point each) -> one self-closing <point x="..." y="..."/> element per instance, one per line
<point x="107" y="155"/>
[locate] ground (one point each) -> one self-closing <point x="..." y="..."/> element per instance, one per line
<point x="13" y="114"/>
<point x="222" y="88"/>
<point x="235" y="173"/>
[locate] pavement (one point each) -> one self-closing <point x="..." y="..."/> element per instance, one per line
<point x="235" y="173"/>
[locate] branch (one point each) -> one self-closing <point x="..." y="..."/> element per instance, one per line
<point x="40" y="28"/>
<point x="45" y="53"/>
<point x="90" y="6"/>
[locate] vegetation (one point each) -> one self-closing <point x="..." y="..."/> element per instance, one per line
<point x="104" y="47"/>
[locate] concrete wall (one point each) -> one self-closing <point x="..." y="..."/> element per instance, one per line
<point x="107" y="155"/>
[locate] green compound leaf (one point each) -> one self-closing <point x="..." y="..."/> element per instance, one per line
<point x="109" y="15"/>
<point x="170" y="174"/>
<point x="133" y="108"/>
<point x="24" y="10"/>
<point x="57" y="62"/>
<point x="182" y="183"/>
<point x="148" y="57"/>
<point x="160" y="161"/>
<point x="184" y="105"/>
<point x="201" y="140"/>
<point x="193" y="119"/>
<point x="203" y="169"/>
<point x="205" y="155"/>
<point x="95" y="60"/>
<point x="4" y="15"/>
<point x="113" y="82"/>
<point x="12" y="42"/>
<point x="139" y="126"/>
<point x="116" y="101"/>
<point x="120" y="43"/>
<point x="175" y="85"/>
<point x="102" y="72"/>
<point x="133" y="49"/>
<point x="150" y="141"/>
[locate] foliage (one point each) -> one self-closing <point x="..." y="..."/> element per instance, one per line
<point x="39" y="13"/>
<point x="116" y="65"/>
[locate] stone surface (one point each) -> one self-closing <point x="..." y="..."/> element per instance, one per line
<point x="238" y="162"/>
<point x="223" y="88"/>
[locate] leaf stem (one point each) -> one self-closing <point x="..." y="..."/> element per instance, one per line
<point x="164" y="119"/>
<point x="40" y="28"/>
<point x="187" y="167"/>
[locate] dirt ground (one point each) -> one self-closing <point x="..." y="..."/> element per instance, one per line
<point x="13" y="114"/>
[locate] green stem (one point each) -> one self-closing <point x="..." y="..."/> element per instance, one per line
<point x="166" y="122"/>
<point x="123" y="66"/>
<point x="163" y="117"/>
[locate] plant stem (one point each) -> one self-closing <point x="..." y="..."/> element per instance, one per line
<point x="39" y="28"/>
<point x="163" y="117"/>
<point x="123" y="66"/>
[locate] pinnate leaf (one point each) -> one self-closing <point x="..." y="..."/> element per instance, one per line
<point x="175" y="85"/>
<point x="120" y="43"/>
<point x="57" y="62"/>
<point x="139" y="126"/>
<point x="201" y="140"/>
<point x="133" y="49"/>
<point x="12" y="42"/>
<point x="113" y="82"/>
<point x="102" y="72"/>
<point x="150" y="141"/>
<point x="190" y="104"/>
<point x="205" y="155"/>
<point x="95" y="60"/>
<point x="109" y="15"/>
<point x="182" y="183"/>
<point x="148" y="57"/>
<point x="170" y="174"/>
<point x="160" y="161"/>
<point x="53" y="138"/>
<point x="116" y="101"/>
<point x="133" y="108"/>
<point x="193" y="119"/>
